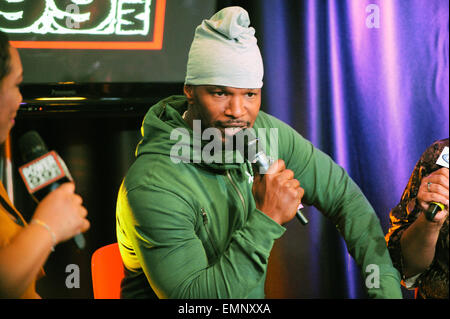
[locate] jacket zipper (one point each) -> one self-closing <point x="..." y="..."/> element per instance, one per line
<point x="205" y="223"/>
<point x="237" y="189"/>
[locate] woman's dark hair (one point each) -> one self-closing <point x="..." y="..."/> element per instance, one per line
<point x="5" y="57"/>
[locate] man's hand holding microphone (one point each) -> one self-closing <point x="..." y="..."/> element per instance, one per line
<point x="277" y="193"/>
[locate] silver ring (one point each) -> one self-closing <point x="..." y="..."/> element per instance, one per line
<point x="428" y="186"/>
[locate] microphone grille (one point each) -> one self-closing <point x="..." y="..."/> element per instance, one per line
<point x="31" y="146"/>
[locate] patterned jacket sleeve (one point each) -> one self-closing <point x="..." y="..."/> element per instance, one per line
<point x="406" y="211"/>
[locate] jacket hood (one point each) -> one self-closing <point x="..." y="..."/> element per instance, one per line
<point x="164" y="132"/>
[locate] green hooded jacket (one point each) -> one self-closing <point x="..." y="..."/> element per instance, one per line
<point x="188" y="228"/>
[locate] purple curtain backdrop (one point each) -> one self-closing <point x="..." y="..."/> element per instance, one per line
<point x="366" y="81"/>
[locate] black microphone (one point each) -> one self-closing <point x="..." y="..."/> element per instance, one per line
<point x="255" y="154"/>
<point x="435" y="207"/>
<point x="44" y="171"/>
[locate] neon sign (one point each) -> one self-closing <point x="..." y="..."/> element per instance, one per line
<point x="119" y="18"/>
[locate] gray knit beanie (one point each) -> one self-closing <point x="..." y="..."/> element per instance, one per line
<point x="225" y="52"/>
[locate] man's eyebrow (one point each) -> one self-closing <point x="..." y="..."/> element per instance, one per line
<point x="216" y="87"/>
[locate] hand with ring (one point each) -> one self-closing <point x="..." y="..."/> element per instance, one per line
<point x="435" y="188"/>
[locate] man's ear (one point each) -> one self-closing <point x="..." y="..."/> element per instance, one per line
<point x="189" y="93"/>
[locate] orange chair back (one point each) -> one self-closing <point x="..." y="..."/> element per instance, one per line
<point x="107" y="272"/>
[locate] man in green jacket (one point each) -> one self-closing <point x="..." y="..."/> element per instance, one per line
<point x="194" y="219"/>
